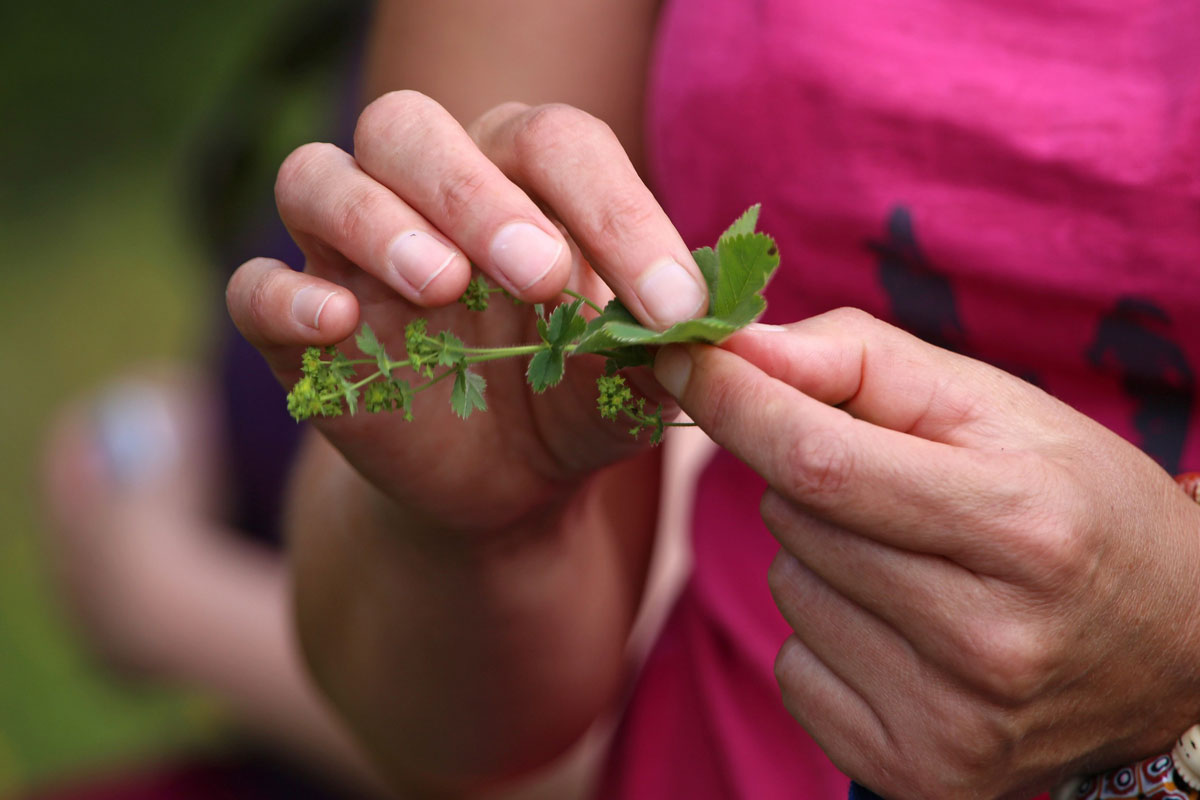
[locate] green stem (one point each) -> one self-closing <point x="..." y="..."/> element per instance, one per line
<point x="587" y="300"/>
<point x="646" y="419"/>
<point x="477" y="355"/>
<point x="358" y="385"/>
<point x="640" y="418"/>
<point x="355" y="361"/>
<point x="437" y="379"/>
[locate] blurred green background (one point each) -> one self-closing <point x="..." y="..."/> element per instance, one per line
<point x="109" y="108"/>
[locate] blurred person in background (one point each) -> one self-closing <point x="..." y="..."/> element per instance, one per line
<point x="982" y="592"/>
<point x="168" y="560"/>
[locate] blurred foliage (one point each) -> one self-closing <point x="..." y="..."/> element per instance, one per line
<point x="134" y="134"/>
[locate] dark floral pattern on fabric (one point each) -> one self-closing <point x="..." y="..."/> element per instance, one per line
<point x="1135" y="342"/>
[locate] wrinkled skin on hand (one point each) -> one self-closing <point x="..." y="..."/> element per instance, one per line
<point x="989" y="592"/>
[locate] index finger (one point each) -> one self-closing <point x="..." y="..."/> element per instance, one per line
<point x="882" y="374"/>
<point x="481" y="196"/>
<point x="414" y="147"/>
<point x="893" y="487"/>
<point x="575" y="164"/>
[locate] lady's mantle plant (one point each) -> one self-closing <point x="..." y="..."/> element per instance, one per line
<point x="736" y="271"/>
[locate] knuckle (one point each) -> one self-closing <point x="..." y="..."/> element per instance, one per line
<point x="820" y="465"/>
<point x="299" y="169"/>
<point x="973" y="749"/>
<point x="258" y="302"/>
<point x="235" y="290"/>
<point x="553" y="126"/>
<point x="496" y="118"/>
<point x="1010" y="662"/>
<point x="390" y="115"/>
<point x="246" y="295"/>
<point x="775" y="511"/>
<point x="1043" y="526"/>
<point x="354" y="216"/>
<point x="552" y="143"/>
<point x="505" y="111"/>
<point x="621" y="218"/>
<point x="784" y="664"/>
<point x="850" y="317"/>
<point x="781" y="576"/>
<point x="235" y="286"/>
<point x="1057" y="554"/>
<point x="457" y="194"/>
<point x="243" y="279"/>
<point x="953" y="404"/>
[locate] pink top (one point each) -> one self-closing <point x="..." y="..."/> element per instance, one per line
<point x="1016" y="180"/>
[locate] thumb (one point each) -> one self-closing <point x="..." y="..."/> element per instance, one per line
<point x="890" y="378"/>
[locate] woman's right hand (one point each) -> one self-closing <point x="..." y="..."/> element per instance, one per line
<point x="538" y="198"/>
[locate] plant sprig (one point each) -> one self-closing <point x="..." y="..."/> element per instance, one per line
<point x="736" y="271"/>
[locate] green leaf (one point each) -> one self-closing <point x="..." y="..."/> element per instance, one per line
<point x="566" y="325"/>
<point x="737" y="271"/>
<point x="401" y="393"/>
<point x="546" y="369"/>
<point x="616" y="329"/>
<point x="747" y="263"/>
<point x="370" y="346"/>
<point x="467" y="395"/>
<point x="449" y="349"/>
<point x="367" y="342"/>
<point x="633" y="356"/>
<point x="710" y="267"/>
<point x="341" y="368"/>
<point x="746" y="223"/>
<point x="351" y="396"/>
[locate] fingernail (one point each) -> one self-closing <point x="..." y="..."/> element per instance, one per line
<point x="418" y="258"/>
<point x="308" y="304"/>
<point x="672" y="368"/>
<point x="763" y="327"/>
<point x="670" y="294"/>
<point x="524" y="253"/>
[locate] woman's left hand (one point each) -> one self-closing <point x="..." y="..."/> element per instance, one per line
<point x="989" y="591"/>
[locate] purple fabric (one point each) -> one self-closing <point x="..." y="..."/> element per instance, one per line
<point x="261" y="437"/>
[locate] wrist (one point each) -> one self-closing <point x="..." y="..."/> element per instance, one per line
<point x="386" y="598"/>
<point x="1174" y="769"/>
